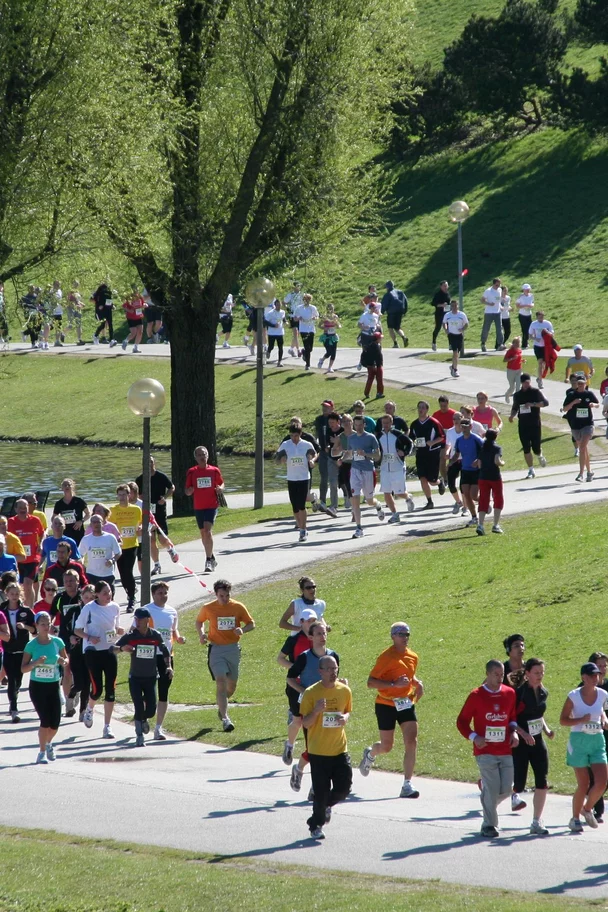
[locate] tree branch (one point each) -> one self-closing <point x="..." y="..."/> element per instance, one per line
<point x="49" y="249"/>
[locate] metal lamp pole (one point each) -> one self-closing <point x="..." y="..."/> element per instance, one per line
<point x="459" y="212"/>
<point x="259" y="293"/>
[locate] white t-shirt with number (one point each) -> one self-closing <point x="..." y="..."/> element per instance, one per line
<point x="456" y="323"/>
<point x="297" y="459"/>
<point x="307" y="314"/>
<point x="165" y="621"/>
<point x="99" y="621"/>
<point x="97" y="549"/>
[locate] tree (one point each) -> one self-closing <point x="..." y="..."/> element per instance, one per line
<point x="228" y="134"/>
<point x="578" y="100"/>
<point x="591" y="21"/>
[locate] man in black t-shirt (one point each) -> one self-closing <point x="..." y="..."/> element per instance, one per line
<point x="527" y="403"/>
<point x="577" y="408"/>
<point x="441" y="303"/>
<point x="161" y="487"/>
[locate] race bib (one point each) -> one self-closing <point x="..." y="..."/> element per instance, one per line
<point x="332" y="720"/>
<point x="109" y="302"/>
<point x="226" y="623"/>
<point x="420" y="442"/>
<point x="358" y="458"/>
<point x="495" y="734"/>
<point x="153" y="509"/>
<point x="138" y="312"/>
<point x="582" y="413"/>
<point x="53" y="557"/>
<point x="70" y="517"/>
<point x="402" y="703"/>
<point x="165" y="633"/>
<point x="111" y="637"/>
<point x="144" y="651"/>
<point x="535" y="726"/>
<point x="45" y="672"/>
<point x="28" y="550"/>
<point x="525" y="409"/>
<point x="592" y="728"/>
<point x="98" y="553"/>
<point x="389" y="458"/>
<point x="203" y="482"/>
<point x="128" y="531"/>
<point x="297" y="460"/>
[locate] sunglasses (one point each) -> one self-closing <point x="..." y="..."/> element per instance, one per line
<point x="310" y="587"/>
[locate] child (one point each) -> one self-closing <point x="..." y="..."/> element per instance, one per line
<point x="514" y="359"/>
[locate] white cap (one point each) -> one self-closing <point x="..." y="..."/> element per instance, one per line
<point x="578" y="346"/>
<point x="526" y="287"/>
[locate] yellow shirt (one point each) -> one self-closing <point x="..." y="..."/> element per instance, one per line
<point x="324" y="737"/>
<point x="13" y="545"/>
<point x="222" y="621"/>
<point x="390" y="665"/>
<point x="42" y="517"/>
<point x="127" y="519"/>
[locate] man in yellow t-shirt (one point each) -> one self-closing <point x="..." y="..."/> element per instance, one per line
<point x="13" y="542"/>
<point x="326" y="708"/>
<point x="227" y="621"/>
<point x="394" y="677"/>
<point x="128" y="519"/>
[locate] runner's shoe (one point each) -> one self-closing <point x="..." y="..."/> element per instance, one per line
<point x="410" y="504"/>
<point x="317" y="833"/>
<point x="155" y="569"/>
<point x="441" y="487"/>
<point x="124" y="345"/>
<point x="173" y="555"/>
<point x="81" y="717"/>
<point x="489" y="832"/>
<point x="50" y="752"/>
<point x="532" y="473"/>
<point x="320" y="363"/>
<point x="429" y="505"/>
<point x="328" y="815"/>
<point x="88" y="717"/>
<point x="579" y="477"/>
<point x="380" y="513"/>
<point x="434" y="346"/>
<point x="227" y="724"/>
<point x="295" y="780"/>
<point x="358" y="533"/>
<point x="287" y="754"/>
<point x="575" y="825"/>
<point x="159" y="734"/>
<point x="213" y="562"/>
<point x="540" y="383"/>
<point x="367" y="761"/>
<point x="331" y="511"/>
<point x="480" y="529"/>
<point x="498" y="530"/>
<point x="41" y="758"/>
<point x="456" y="509"/>
<point x="15" y="717"/>
<point x="130" y="606"/>
<point x="145" y="727"/>
<point x="407" y="791"/>
<point x="140" y="741"/>
<point x="472" y="522"/>
<point x="303" y="535"/>
<point x="537" y="828"/>
<point x="590" y="819"/>
<point x="590" y="476"/>
<point x="395" y="518"/>
<point x="208" y="567"/>
<point x="517" y="803"/>
<point x="542" y="461"/>
<point x="70" y="709"/>
<point x="108" y="734"/>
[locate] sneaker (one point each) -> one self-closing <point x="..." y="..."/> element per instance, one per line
<point x="359" y="366"/>
<point x="576" y="448"/>
<point x="542" y="461"/>
<point x="317" y="833"/>
<point x="15" y="717"/>
<point x="472" y="522"/>
<point x="208" y="567"/>
<point x="429" y="505"/>
<point x="70" y="709"/>
<point x="599" y="817"/>
<point x="227" y="724"/>
<point x="311" y="794"/>
<point x="108" y="734"/>
<point x="50" y="752"/>
<point x="328" y="815"/>
<point x="303" y="535"/>
<point x="358" y="533"/>
<point x="112" y="343"/>
<point x="456" y="375"/>
<point x="575" y="825"/>
<point x="95" y="340"/>
<point x="380" y="513"/>
<point x="590" y="819"/>
<point x="517" y="803"/>
<point x="159" y="734"/>
<point x="251" y="349"/>
<point x="287" y="754"/>
<point x="407" y="791"/>
<point x="145" y="727"/>
<point x="173" y="555"/>
<point x="483" y="348"/>
<point x="226" y="345"/>
<point x="395" y="518"/>
<point x="537" y="828"/>
<point x="320" y="362"/>
<point x="590" y="476"/>
<point x="81" y="717"/>
<point x="532" y="474"/>
<point x="140" y="741"/>
<point x="213" y="562"/>
<point x="489" y="832"/>
<point x="156" y="569"/>
<point x="405" y="341"/>
<point x="330" y="370"/>
<point x="480" y="529"/>
<point x="331" y="511"/>
<point x="279" y="364"/>
<point x="507" y="398"/>
<point x="295" y="780"/>
<point x="501" y="348"/>
<point x="130" y="606"/>
<point x="367" y="761"/>
<point x="395" y="345"/>
<point x="41" y="758"/>
<point x="88" y="717"/>
<point x="456" y="509"/>
<point x="498" y="530"/>
<point x="540" y="384"/>
<point x="579" y="477"/>
<point x="136" y="350"/>
<point x="441" y="487"/>
<point x="124" y="345"/>
<point x="434" y="346"/>
<point x="410" y="504"/>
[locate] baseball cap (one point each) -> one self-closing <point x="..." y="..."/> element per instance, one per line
<point x="141" y="613"/>
<point x="307" y="614"/>
<point x="525" y="377"/>
<point x="328" y="402"/>
<point x="526" y="287"/>
<point x="578" y="346"/>
<point x="590" y="668"/>
<point x="400" y="627"/>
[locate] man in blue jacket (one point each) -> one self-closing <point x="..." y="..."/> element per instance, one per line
<point x="394" y="305"/>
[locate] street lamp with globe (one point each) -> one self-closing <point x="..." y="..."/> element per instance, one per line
<point x="146" y="398"/>
<point x="459" y="212"/>
<point x="259" y="293"/>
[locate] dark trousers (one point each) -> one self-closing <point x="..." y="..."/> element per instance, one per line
<point x="81" y="682"/>
<point x="106" y="317"/>
<point x="506" y="330"/>
<point x="125" y="564"/>
<point x="12" y="667"/>
<point x="143" y="694"/>
<point x="332" y="779"/>
<point x="439" y="315"/>
<point x="271" y="341"/>
<point x="524" y="322"/>
<point x="322" y="463"/>
<point x="308" y="340"/>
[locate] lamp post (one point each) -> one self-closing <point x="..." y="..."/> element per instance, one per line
<point x="459" y="212"/>
<point x="146" y="398"/>
<point x="259" y="293"/>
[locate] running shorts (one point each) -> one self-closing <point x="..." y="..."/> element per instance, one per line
<point x="584" y="750"/>
<point x="388" y="716"/>
<point x="393" y="320"/>
<point x="362" y="482"/>
<point x="205" y="516"/>
<point x="224" y="660"/>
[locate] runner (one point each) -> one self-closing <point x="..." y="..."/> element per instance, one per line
<point x="332" y="438"/>
<point x="527" y="404"/>
<point x="64" y="562"/>
<point x="293" y="647"/>
<point x="601" y="660"/>
<point x="227" y="622"/>
<point x="363" y="450"/>
<point x="488" y="720"/>
<point x="394" y="677"/>
<point x="490" y="460"/>
<point x="42" y="657"/>
<point x="49" y="593"/>
<point x="292" y="300"/>
<point x="127" y="516"/>
<point x="99" y="551"/>
<point x="514" y="360"/>
<point x="66" y="608"/>
<point x="467" y="449"/>
<point x="579" y="364"/>
<point x="451" y="436"/>
<point x="307" y="315"/>
<point x="371" y="352"/>
<point x="161" y="488"/>
<point x="339" y="448"/>
<point x="429" y="440"/>
<point x="21" y="622"/>
<point x="394" y="305"/>
<point x="49" y="544"/>
<point x="154" y="317"/>
<point x="98" y="627"/>
<point x="441" y="303"/>
<point x="164" y="619"/>
<point x="445" y="416"/>
<point x="531" y="705"/>
<point x="134" y="307"/>
<point x="358" y="411"/>
<point x="300" y="457"/>
<point x="143" y="643"/>
<point x="292" y="616"/>
<point x="226" y="320"/>
<point x="329" y="337"/>
<point x="399" y="424"/>
<point x="29" y="531"/>
<point x="577" y="407"/>
<point x="32" y="508"/>
<point x="524" y="304"/>
<point x="394" y="447"/>
<point x="477" y="428"/>
<point x="583" y="713"/>
<point x="536" y="335"/>
<point x="203" y="483"/>
<point x="486" y="414"/>
<point x="73" y="509"/>
<point x="275" y="318"/>
<point x="455" y="322"/>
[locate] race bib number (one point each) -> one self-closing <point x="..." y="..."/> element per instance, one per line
<point x="535" y="726"/>
<point x="297" y="460"/>
<point x="53" y="556"/>
<point x="45" y="672"/>
<point x="111" y="637"/>
<point x="389" y="458"/>
<point x="153" y="509"/>
<point x="70" y="517"/>
<point x="358" y="458"/>
<point x="138" y="312"/>
<point x="402" y="703"/>
<point x="226" y="623"/>
<point x="203" y="482"/>
<point x="525" y="409"/>
<point x="128" y="531"/>
<point x="28" y="550"/>
<point x="592" y="728"/>
<point x="495" y="734"/>
<point x="145" y="652"/>
<point x="165" y="633"/>
<point x="582" y="413"/>
<point x="420" y="442"/>
<point x="332" y="720"/>
<point x="98" y="553"/>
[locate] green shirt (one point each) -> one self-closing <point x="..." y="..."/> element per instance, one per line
<point x="49" y="672"/>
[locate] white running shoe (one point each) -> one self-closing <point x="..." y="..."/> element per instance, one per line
<point x="367" y="761"/>
<point x="395" y="518"/>
<point x="542" y="461"/>
<point x="358" y="533"/>
<point x="108" y="734"/>
<point x="124" y="345"/>
<point x="380" y="513"/>
<point x="320" y="362"/>
<point x="159" y="734"/>
<point x="531" y="473"/>
<point x="226" y="345"/>
<point x="410" y="504"/>
<point x="88" y="717"/>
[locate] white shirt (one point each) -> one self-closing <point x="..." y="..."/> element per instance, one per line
<point x="306" y="314"/>
<point x="98" y="549"/>
<point x="505" y="303"/>
<point x="293" y="300"/>
<point x="103" y="623"/>
<point x="275" y="319"/>
<point x="297" y="459"/>
<point x="491" y="298"/>
<point x="368" y="322"/>
<point x="58" y="295"/>
<point x="165" y="621"/>
<point x="228" y="305"/>
<point x="456" y="322"/>
<point x="299" y="605"/>
<point x="536" y="330"/>
<point x="525" y="303"/>
<point x="391" y="460"/>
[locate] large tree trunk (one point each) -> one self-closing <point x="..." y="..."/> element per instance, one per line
<point x="192" y="395"/>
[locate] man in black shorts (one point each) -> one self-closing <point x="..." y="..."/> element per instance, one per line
<point x="441" y="302"/>
<point x="154" y="319"/>
<point x="161" y="487"/>
<point x="527" y="403"/>
<point x="429" y="440"/>
<point x="394" y="305"/>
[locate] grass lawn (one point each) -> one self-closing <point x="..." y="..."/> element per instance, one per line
<point x="545" y="578"/>
<point x="126" y="877"/>
<point x="495" y="362"/>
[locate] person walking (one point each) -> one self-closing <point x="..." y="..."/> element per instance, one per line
<point x="514" y="360"/>
<point x="441" y="303"/>
<point x="307" y="315"/>
<point x="492" y="315"/>
<point x="525" y="304"/>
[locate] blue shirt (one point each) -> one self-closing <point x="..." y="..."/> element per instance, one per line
<point x="8" y="562"/>
<point x="366" y="442"/>
<point x="49" y="548"/>
<point x="469" y="448"/>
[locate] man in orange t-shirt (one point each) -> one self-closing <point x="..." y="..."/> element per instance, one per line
<point x="394" y="677"/>
<point x="29" y="531"/>
<point x="227" y="622"/>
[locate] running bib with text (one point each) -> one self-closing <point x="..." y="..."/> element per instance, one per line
<point x="203" y="482"/>
<point x="128" y="531"/>
<point x="582" y="413"/>
<point x="45" y="672"/>
<point x="165" y="634"/>
<point x="144" y="651"/>
<point x="592" y="728"/>
<point x="226" y="623"/>
<point x="358" y="458"/>
<point x="525" y="409"/>
<point x="111" y="637"/>
<point x="535" y="726"/>
<point x="420" y="442"/>
<point x="495" y="734"/>
<point x="297" y="460"/>
<point x="52" y="556"/>
<point x="98" y="553"/>
<point x="402" y="703"/>
<point x="138" y="312"/>
<point x="332" y="720"/>
<point x="389" y="458"/>
<point x="28" y="550"/>
<point x="70" y="517"/>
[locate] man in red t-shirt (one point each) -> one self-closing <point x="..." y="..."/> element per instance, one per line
<point x="445" y="416"/>
<point x="488" y="720"/>
<point x="29" y="531"/>
<point x="203" y="481"/>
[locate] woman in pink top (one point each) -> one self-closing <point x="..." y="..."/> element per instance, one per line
<point x="486" y="414"/>
<point x="101" y="510"/>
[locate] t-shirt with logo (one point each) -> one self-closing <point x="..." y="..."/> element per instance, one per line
<point x="145" y="648"/>
<point x="99" y="621"/>
<point x="489" y="714"/>
<point x="48" y="671"/>
<point x="30" y="533"/>
<point x="223" y="620"/>
<point x="204" y="481"/>
<point x="580" y="415"/>
<point x="128" y="519"/>
<point x="297" y="459"/>
<point x="165" y="621"/>
<point x="72" y="512"/>
<point x="325" y="736"/>
<point x="97" y="549"/>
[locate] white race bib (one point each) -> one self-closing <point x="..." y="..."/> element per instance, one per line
<point x="144" y="651"/>
<point x="53" y="557"/>
<point x="152" y="509"/>
<point x="389" y="458"/>
<point x="402" y="703"/>
<point x="525" y="409"/>
<point x="69" y="517"/>
<point x="226" y="623"/>
<point x="592" y="728"/>
<point x="165" y="633"/>
<point x="332" y="720"/>
<point x="495" y="734"/>
<point x="420" y="442"/>
<point x="582" y="413"/>
<point x="111" y="637"/>
<point x="358" y="458"/>
<point x="28" y="550"/>
<point x="296" y="460"/>
<point x="138" y="312"/>
<point x="45" y="672"/>
<point x="535" y="726"/>
<point x="128" y="531"/>
<point x="203" y="482"/>
<point x="98" y="553"/>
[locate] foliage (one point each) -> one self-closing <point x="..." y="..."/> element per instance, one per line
<point x="581" y="100"/>
<point x="591" y="21"/>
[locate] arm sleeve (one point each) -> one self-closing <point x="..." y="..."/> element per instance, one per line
<point x="465" y="717"/>
<point x="308" y="704"/>
<point x="298" y="667"/>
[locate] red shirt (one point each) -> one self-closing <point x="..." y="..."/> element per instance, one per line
<point x="31" y="533"/>
<point x="134" y="308"/>
<point x="204" y="481"/>
<point x="491" y="715"/>
<point x="445" y="419"/>
<point x="604" y="387"/>
<point x="56" y="571"/>
<point x="43" y="605"/>
<point x="514" y="358"/>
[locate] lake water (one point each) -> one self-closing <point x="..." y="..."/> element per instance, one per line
<point x="97" y="470"/>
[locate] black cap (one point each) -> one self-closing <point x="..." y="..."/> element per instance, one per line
<point x="590" y="668"/>
<point x="141" y="613"/>
<point x="525" y="377"/>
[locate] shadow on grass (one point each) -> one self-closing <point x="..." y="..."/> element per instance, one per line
<point x="271" y="850"/>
